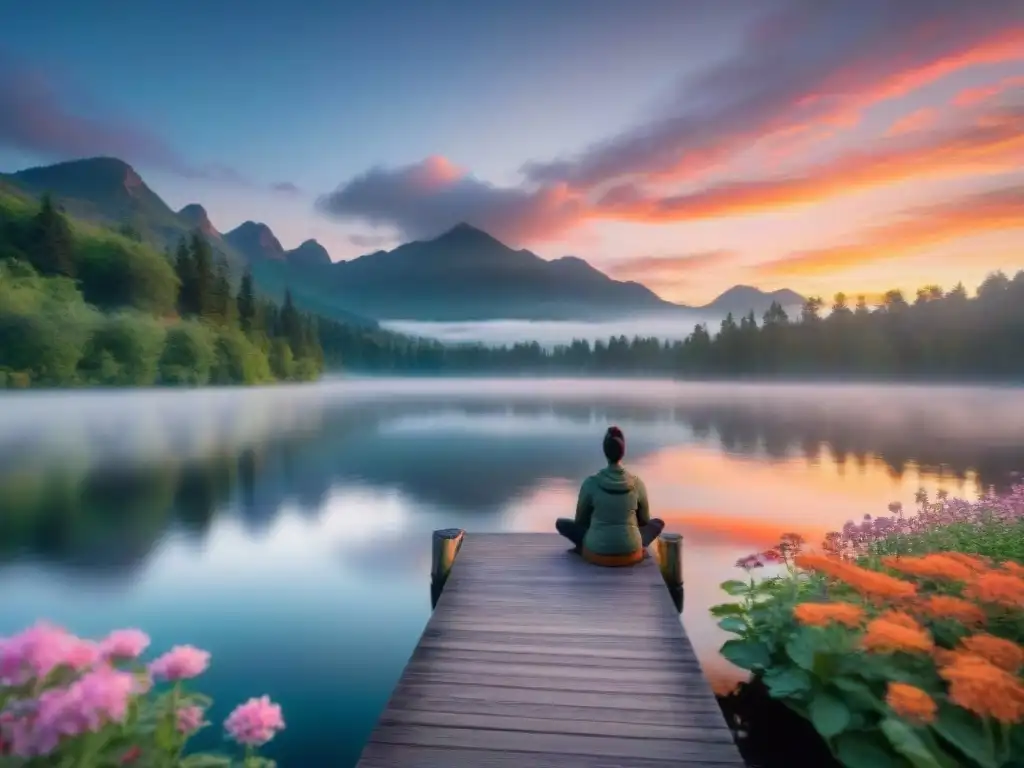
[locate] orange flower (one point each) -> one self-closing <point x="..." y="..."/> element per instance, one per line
<point x="997" y="588"/>
<point x="944" y="657"/>
<point x="877" y="585"/>
<point x="901" y="619"/>
<point x="829" y="566"/>
<point x="911" y="703"/>
<point x="884" y="636"/>
<point x="949" y="607"/>
<point x="976" y="563"/>
<point x="1014" y="569"/>
<point x="940" y="567"/>
<point x="870" y="583"/>
<point x="822" y="614"/>
<point x="1005" y="654"/>
<point x="984" y="689"/>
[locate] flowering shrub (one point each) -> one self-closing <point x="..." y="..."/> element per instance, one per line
<point x="992" y="526"/>
<point x="67" y="701"/>
<point x="897" y="661"/>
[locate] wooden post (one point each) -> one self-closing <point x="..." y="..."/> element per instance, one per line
<point x="446" y="543"/>
<point x="670" y="560"/>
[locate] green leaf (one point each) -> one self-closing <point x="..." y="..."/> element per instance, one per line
<point x="734" y="587"/>
<point x="747" y="654"/>
<point x="205" y="761"/>
<point x="733" y="624"/>
<point x="965" y="732"/>
<point x="727" y="609"/>
<point x="829" y="714"/>
<point x="857" y="749"/>
<point x="909" y="744"/>
<point x="802" y="648"/>
<point x="857" y="694"/>
<point x="786" y="682"/>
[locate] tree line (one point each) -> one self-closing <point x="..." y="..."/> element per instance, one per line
<point x="939" y="335"/>
<point x="87" y="305"/>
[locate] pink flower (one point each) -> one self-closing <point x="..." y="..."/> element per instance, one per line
<point x="124" y="644"/>
<point x="255" y="722"/>
<point x="180" y="663"/>
<point x="97" y="698"/>
<point x="40" y="649"/>
<point x="190" y="719"/>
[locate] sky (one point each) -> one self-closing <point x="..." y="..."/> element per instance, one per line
<point x="855" y="145"/>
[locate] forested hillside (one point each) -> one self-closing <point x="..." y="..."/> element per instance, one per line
<point x="85" y="305"/>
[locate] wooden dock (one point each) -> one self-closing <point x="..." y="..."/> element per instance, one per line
<point x="533" y="657"/>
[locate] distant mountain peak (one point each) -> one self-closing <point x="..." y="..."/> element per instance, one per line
<point x="193" y="209"/>
<point x="309" y="254"/>
<point x="747" y="298"/>
<point x="463" y="233"/>
<point x="94" y="173"/>
<point x="195" y="216"/>
<point x="255" y="240"/>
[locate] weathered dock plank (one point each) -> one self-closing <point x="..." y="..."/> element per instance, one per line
<point x="532" y="657"/>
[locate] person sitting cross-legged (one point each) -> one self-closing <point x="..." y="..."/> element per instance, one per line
<point x="613" y="524"/>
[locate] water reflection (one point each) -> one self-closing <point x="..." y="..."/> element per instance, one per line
<point x="287" y="529"/>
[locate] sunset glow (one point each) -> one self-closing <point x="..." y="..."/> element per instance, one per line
<point x="686" y="148"/>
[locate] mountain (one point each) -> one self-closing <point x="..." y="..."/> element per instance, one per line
<point x="104" y="190"/>
<point x="196" y="217"/>
<point x="256" y="242"/>
<point x="309" y="254"/>
<point x="462" y="275"/>
<point x="741" y="299"/>
<point x="465" y="274"/>
<point x="109" y="192"/>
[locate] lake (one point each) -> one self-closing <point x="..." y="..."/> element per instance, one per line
<point x="287" y="529"/>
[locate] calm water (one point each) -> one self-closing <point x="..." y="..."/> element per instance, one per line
<point x="287" y="530"/>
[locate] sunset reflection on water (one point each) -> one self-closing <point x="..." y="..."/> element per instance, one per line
<point x="728" y="505"/>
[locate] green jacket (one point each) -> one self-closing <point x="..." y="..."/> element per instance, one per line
<point x="612" y="507"/>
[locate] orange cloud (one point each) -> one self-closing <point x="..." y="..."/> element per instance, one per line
<point x="669" y="269"/>
<point x="861" y="94"/>
<point x="969" y="97"/>
<point x="1002" y="47"/>
<point x="992" y="145"/>
<point x="915" y="121"/>
<point x="1001" y="209"/>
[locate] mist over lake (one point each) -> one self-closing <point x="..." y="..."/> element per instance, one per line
<point x="549" y="333"/>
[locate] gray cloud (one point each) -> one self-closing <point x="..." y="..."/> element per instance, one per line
<point x="35" y="118"/>
<point x="425" y="199"/>
<point x="374" y="242"/>
<point x="285" y="188"/>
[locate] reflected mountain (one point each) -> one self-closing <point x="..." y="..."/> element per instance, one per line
<point x="102" y="498"/>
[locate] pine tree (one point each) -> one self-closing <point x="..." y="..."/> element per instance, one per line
<point x="246" y="303"/>
<point x="291" y="324"/>
<point x="51" y="244"/>
<point x="223" y="307"/>
<point x="202" y="257"/>
<point x="185" y="268"/>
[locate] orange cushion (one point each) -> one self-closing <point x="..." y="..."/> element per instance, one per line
<point x="613" y="561"/>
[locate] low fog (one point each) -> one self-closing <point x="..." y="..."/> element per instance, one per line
<point x="86" y="428"/>
<point x="549" y="333"/>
